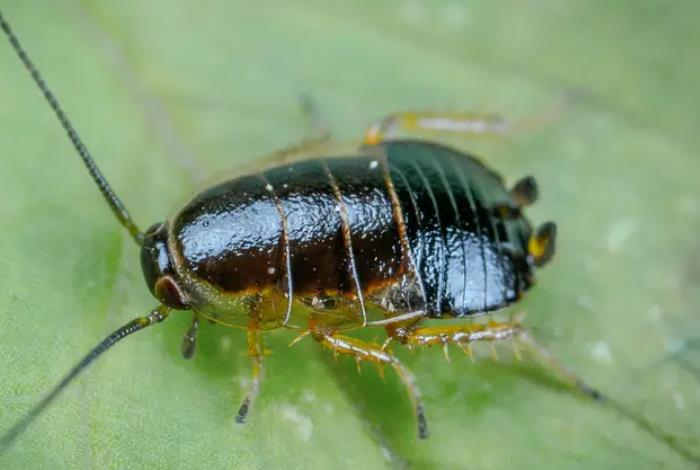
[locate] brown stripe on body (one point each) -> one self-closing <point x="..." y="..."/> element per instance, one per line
<point x="396" y="209"/>
<point x="318" y="258"/>
<point x="382" y="255"/>
<point x="361" y="229"/>
<point x="408" y="264"/>
<point x="285" y="280"/>
<point x="347" y="239"/>
<point x="375" y="235"/>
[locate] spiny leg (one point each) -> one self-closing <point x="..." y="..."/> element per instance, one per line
<point x="470" y="124"/>
<point x="619" y="407"/>
<point x="256" y="351"/>
<point x="189" y="341"/>
<point x="464" y="335"/>
<point x="557" y="366"/>
<point x="362" y="350"/>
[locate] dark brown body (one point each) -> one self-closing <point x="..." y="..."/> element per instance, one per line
<point x="392" y="233"/>
<point x="405" y="226"/>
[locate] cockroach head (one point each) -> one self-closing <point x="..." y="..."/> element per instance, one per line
<point x="157" y="268"/>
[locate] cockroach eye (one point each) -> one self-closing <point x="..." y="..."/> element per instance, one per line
<point x="158" y="270"/>
<point x="167" y="291"/>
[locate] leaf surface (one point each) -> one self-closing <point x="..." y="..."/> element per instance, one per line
<point x="166" y="94"/>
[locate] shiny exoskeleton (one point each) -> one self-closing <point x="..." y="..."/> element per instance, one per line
<point x="405" y="226"/>
<point x="393" y="232"/>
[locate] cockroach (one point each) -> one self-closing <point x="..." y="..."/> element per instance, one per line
<point x="397" y="231"/>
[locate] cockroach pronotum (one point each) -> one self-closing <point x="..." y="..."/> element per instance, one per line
<point x="395" y="232"/>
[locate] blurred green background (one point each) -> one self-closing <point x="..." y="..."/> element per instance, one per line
<point x="166" y="94"/>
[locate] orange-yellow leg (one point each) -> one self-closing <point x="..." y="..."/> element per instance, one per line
<point x="464" y="335"/>
<point x="403" y="123"/>
<point x="464" y="123"/>
<point x="364" y="351"/>
<point x="256" y="351"/>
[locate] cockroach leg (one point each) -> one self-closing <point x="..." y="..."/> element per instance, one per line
<point x="386" y="343"/>
<point x="256" y="351"/>
<point x="189" y="341"/>
<point x="446" y="352"/>
<point x="319" y="136"/>
<point x="468" y="124"/>
<point x="527" y="340"/>
<point x="407" y="123"/>
<point x="299" y="337"/>
<point x="464" y="335"/>
<point x="362" y="350"/>
<point x="461" y="335"/>
<point x="516" y="351"/>
<point x="494" y="353"/>
<point x="319" y="127"/>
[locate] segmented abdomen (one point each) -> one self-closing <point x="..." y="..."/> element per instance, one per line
<point x="407" y="226"/>
<point x="468" y="239"/>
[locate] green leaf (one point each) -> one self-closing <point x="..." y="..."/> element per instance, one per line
<point x="167" y="93"/>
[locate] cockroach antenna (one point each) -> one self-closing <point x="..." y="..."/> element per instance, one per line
<point x="112" y="199"/>
<point x="200" y="260"/>
<point x="156" y="316"/>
